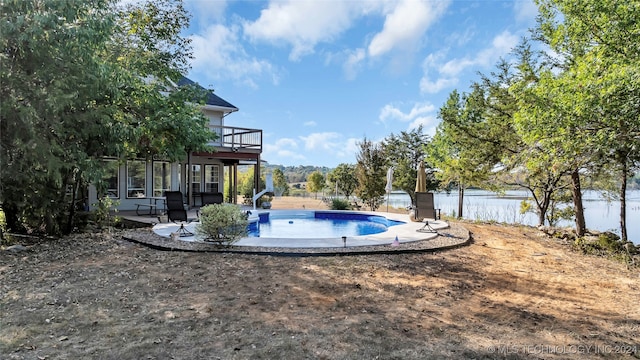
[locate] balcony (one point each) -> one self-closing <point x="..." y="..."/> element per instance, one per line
<point x="237" y="139"/>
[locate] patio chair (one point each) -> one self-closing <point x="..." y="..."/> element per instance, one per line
<point x="425" y="210"/>
<point x="209" y="198"/>
<point x="176" y="211"/>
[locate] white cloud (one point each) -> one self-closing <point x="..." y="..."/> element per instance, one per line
<point x="301" y="24"/>
<point x="449" y="72"/>
<point x="205" y="12"/>
<point x="427" y="122"/>
<point x="461" y="38"/>
<point x="405" y="25"/>
<point x="420" y="113"/>
<point x="310" y="123"/>
<point x="325" y="141"/>
<point x="432" y="87"/>
<point x="502" y="45"/>
<point x="286" y="142"/>
<point x="304" y="24"/>
<point x="284" y="148"/>
<point x="431" y="62"/>
<point x="348" y="150"/>
<point x="525" y="11"/>
<point x="219" y="55"/>
<point x="321" y="148"/>
<point x="456" y="66"/>
<point x="352" y="65"/>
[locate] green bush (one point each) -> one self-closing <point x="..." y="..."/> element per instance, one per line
<point x="222" y="223"/>
<point x="610" y="245"/>
<point x="102" y="215"/>
<point x="340" y="204"/>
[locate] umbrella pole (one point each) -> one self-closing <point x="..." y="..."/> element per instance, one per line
<point x="387" y="202"/>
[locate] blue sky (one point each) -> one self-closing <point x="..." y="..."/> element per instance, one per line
<point x="320" y="76"/>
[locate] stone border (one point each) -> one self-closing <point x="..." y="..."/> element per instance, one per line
<point x="450" y="238"/>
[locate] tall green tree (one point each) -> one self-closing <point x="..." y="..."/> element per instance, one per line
<point x="371" y="171"/>
<point x="315" y="183"/>
<point x="404" y="152"/>
<point x="247" y="184"/>
<point x="82" y="80"/>
<point x="281" y="188"/>
<point x="53" y="106"/>
<point x="458" y="149"/>
<point x="598" y="44"/>
<point x="344" y="178"/>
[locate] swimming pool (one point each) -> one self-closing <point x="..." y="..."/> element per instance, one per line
<point x="383" y="229"/>
<point x="310" y="224"/>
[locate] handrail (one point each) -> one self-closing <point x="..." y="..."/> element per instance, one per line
<point x="237" y="138"/>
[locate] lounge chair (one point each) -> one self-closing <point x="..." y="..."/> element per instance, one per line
<point x="425" y="210"/>
<point x="176" y="211"/>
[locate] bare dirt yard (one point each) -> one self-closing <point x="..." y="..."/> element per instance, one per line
<point x="514" y="293"/>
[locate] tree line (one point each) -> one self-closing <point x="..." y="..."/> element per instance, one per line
<point x="562" y="114"/>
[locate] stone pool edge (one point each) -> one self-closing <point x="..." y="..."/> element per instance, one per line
<point x="452" y="237"/>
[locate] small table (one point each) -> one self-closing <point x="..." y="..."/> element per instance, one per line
<point x="155" y="200"/>
<point x="152" y="205"/>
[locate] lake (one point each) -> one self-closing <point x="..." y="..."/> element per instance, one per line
<point x="599" y="213"/>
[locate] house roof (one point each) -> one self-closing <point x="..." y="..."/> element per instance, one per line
<point x="213" y="100"/>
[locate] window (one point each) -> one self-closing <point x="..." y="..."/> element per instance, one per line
<point x="196" y="176"/>
<point x="161" y="177"/>
<point x="110" y="179"/>
<point x="211" y="178"/>
<point x="136" y="179"/>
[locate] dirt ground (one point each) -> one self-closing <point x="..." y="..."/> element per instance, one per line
<point x="513" y="293"/>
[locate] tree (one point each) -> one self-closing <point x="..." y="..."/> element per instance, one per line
<point x="315" y="182"/>
<point x="82" y="80"/>
<point x="344" y="178"/>
<point x="246" y="185"/>
<point x="281" y="188"/>
<point x="53" y="106"/>
<point x="600" y="57"/>
<point x="371" y="173"/>
<point x="459" y="149"/>
<point x="404" y="152"/>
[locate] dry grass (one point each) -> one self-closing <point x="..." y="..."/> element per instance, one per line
<point x="99" y="297"/>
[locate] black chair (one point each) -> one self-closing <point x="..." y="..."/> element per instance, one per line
<point x="176" y="211"/>
<point x="209" y="198"/>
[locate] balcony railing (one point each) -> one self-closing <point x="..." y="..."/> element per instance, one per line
<point x="237" y="138"/>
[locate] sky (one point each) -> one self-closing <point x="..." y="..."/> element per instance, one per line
<point x="320" y="76"/>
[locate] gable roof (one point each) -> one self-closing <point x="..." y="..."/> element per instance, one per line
<point x="213" y="100"/>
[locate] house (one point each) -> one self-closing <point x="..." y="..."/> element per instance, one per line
<point x="138" y="184"/>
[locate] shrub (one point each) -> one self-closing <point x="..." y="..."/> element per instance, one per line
<point x="340" y="204"/>
<point x="610" y="245"/>
<point x="222" y="223"/>
<point x="102" y="215"/>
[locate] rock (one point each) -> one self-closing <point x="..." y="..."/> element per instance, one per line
<point x="16" y="248"/>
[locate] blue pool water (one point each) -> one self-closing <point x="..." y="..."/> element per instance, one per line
<point x="318" y="224"/>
